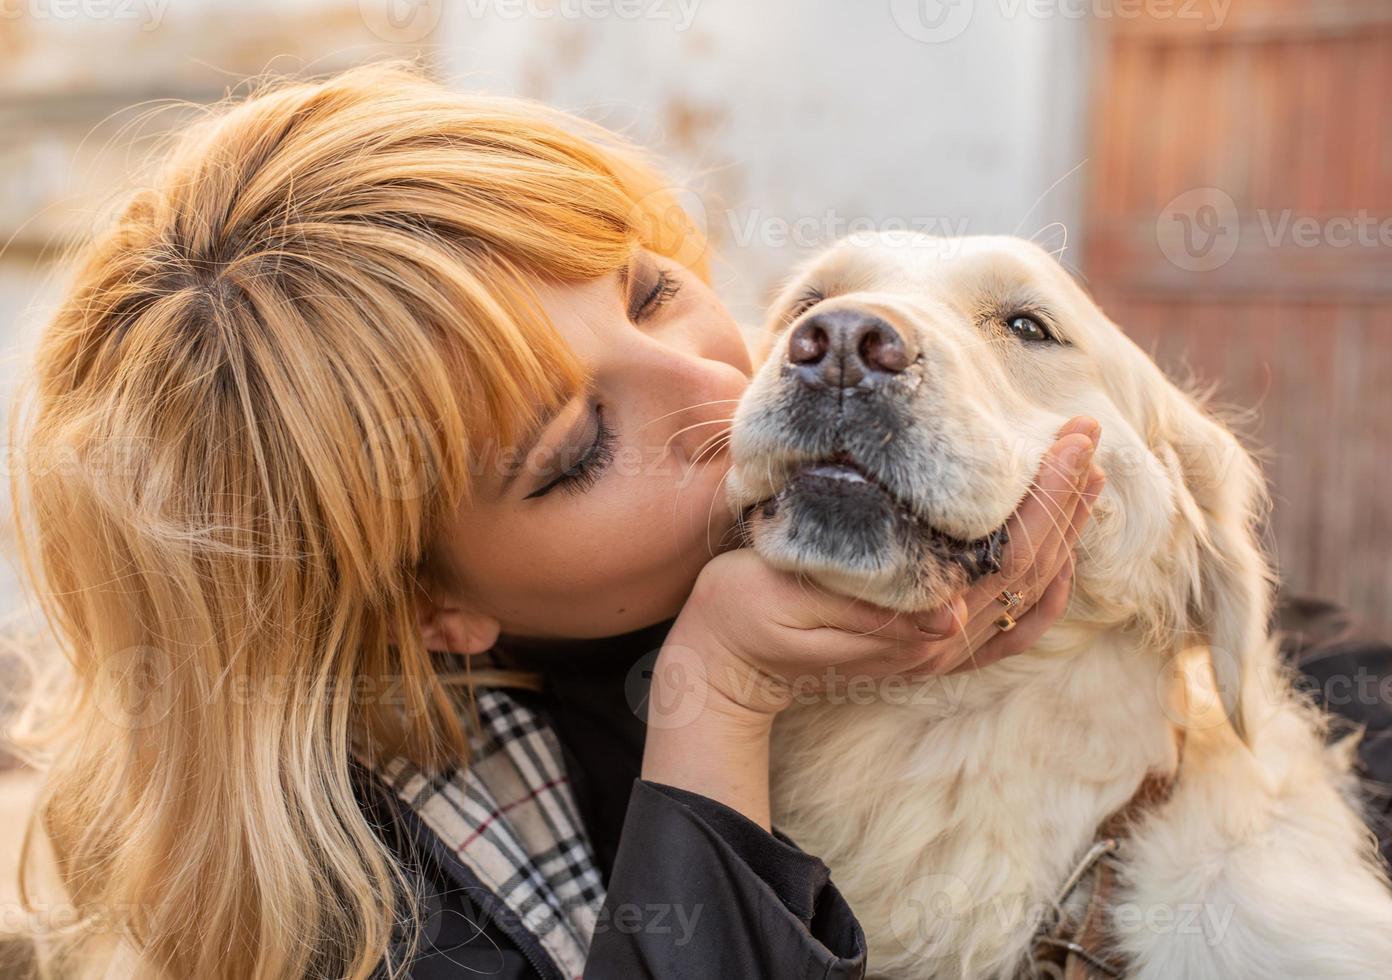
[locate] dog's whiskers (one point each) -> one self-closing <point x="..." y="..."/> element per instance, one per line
<point x="709" y="449"/>
<point x="695" y="425"/>
<point x="688" y="408"/>
<point x="1062" y="529"/>
<point x="1062" y="227"/>
<point x="1047" y="191"/>
<point x="712" y="550"/>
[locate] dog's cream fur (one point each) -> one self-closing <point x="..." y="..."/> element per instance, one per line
<point x="951" y="811"/>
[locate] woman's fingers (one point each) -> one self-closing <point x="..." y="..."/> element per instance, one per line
<point x="839" y="627"/>
<point x="1046" y="570"/>
<point x="996" y="645"/>
<point x="948" y="620"/>
<point x="900" y="637"/>
<point x="1039" y="532"/>
<point x="1038" y="527"/>
<point x="989" y="644"/>
<point x="855" y="618"/>
<point x="1091" y="491"/>
<point x="1038" y="566"/>
<point x="795" y="603"/>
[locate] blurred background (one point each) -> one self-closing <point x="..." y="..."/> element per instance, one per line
<point x="1219" y="172"/>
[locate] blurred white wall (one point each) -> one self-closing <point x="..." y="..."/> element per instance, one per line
<point x="796" y="120"/>
<point x="792" y="121"/>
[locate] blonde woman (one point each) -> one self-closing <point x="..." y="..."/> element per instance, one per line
<point x="374" y="449"/>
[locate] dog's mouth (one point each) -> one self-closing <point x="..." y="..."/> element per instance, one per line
<point x="840" y="474"/>
<point x="844" y="513"/>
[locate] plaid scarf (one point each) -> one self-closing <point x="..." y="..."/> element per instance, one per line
<point x="510" y="819"/>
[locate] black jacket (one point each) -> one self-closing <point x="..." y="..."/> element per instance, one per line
<point x="698" y="891"/>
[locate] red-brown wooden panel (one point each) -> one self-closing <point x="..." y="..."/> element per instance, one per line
<point x="1282" y="112"/>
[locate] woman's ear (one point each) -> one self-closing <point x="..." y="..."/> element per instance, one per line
<point x="449" y="625"/>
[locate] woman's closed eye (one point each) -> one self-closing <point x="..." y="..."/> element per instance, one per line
<point x="588" y="463"/>
<point x="650" y="288"/>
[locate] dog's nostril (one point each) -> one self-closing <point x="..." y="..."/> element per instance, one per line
<point x="808" y="344"/>
<point x="882" y="349"/>
<point x="844" y="348"/>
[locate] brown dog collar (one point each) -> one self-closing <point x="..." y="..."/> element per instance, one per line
<point x="1083" y="947"/>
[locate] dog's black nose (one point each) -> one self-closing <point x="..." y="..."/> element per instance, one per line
<point x="842" y="348"/>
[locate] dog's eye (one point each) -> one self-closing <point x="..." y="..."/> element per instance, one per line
<point x="1029" y="329"/>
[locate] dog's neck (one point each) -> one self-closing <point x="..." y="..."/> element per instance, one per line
<point x="998" y="776"/>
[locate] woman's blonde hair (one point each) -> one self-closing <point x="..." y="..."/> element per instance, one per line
<point x="269" y="386"/>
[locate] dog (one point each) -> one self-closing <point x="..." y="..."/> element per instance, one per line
<point x="1141" y="794"/>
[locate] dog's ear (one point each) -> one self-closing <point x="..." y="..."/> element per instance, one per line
<point x="1221" y="497"/>
<point x="1225" y="591"/>
<point x="1230" y="598"/>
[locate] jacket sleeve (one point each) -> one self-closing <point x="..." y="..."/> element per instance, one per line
<point x="700" y="891"/>
<point x="1349" y="675"/>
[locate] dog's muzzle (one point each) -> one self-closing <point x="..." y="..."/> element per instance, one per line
<point x="839" y="448"/>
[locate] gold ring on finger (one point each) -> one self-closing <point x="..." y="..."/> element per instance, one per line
<point x="1010" y="599"/>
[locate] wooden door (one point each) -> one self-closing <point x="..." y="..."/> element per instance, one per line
<point x="1239" y="225"/>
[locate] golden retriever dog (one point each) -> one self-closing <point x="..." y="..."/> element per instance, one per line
<point x="1110" y="803"/>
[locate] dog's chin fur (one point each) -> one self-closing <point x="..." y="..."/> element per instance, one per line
<point x="951" y="811"/>
<point x="852" y="538"/>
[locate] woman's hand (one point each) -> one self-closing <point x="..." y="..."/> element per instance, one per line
<point x="751" y="638"/>
<point x="1038" y="560"/>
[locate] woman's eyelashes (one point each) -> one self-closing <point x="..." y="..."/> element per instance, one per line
<point x="585" y="471"/>
<point x="653" y="288"/>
